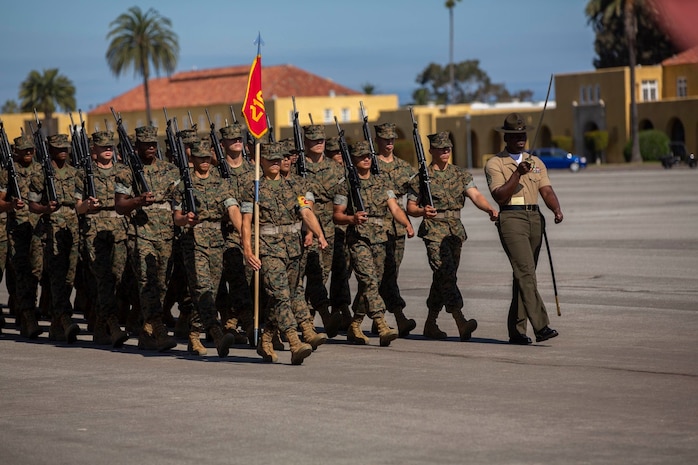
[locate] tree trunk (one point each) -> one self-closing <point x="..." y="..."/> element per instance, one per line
<point x="148" y="119"/>
<point x="451" y="89"/>
<point x="630" y="34"/>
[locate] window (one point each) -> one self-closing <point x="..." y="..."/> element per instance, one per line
<point x="649" y="90"/>
<point x="681" y="87"/>
<point x="139" y="123"/>
<point x="290" y="117"/>
<point x="582" y="94"/>
<point x="346" y="115"/>
<point x="217" y="119"/>
<point x="328" y="116"/>
<point x="598" y="93"/>
<point x="154" y="122"/>
<point x="590" y="93"/>
<point x="202" y="122"/>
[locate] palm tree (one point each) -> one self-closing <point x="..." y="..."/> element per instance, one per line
<point x="608" y="9"/>
<point x="46" y="92"/>
<point x="450" y="4"/>
<point x="10" y="106"/>
<point x="141" y="40"/>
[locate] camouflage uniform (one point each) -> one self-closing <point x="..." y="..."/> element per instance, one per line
<point x="399" y="173"/>
<point x="61" y="249"/>
<point x="105" y="236"/>
<point x="340" y="294"/>
<point x="280" y="203"/>
<point x="151" y="229"/>
<point x="25" y="252"/>
<point x="328" y="178"/>
<point x="367" y="244"/>
<point x="444" y="235"/>
<point x="203" y="244"/>
<point x="234" y="299"/>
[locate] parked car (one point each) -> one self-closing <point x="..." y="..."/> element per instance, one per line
<point x="556" y="158"/>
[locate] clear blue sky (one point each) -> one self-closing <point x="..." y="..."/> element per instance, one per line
<point x="382" y="42"/>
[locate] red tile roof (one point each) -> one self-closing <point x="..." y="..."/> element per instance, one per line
<point x="222" y="86"/>
<point x="686" y="57"/>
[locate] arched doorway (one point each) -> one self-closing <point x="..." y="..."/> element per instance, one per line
<point x="592" y="156"/>
<point x="646" y="125"/>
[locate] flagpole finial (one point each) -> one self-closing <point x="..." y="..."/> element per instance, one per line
<point x="259" y="42"/>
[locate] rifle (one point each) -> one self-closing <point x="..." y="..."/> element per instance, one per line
<point x="81" y="151"/>
<point x="354" y="181"/>
<point x="367" y="136"/>
<point x="179" y="153"/>
<point x="245" y="152"/>
<point x="45" y="160"/>
<point x="130" y="157"/>
<point x="424" y="181"/>
<point x="8" y="163"/>
<point x="271" y="129"/>
<point x="222" y="162"/>
<point x="301" y="169"/>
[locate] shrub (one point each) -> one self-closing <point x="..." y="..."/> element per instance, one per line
<point x="654" y="145"/>
<point x="564" y="142"/>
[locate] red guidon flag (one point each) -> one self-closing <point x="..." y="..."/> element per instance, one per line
<point x="253" y="108"/>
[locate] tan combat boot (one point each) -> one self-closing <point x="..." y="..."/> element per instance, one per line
<point x="70" y="328"/>
<point x="277" y="342"/>
<point x="310" y="336"/>
<point x="100" y="336"/>
<point x="465" y="327"/>
<point x="265" y="348"/>
<point x="195" y="347"/>
<point x="330" y="321"/>
<point x="222" y="340"/>
<point x="431" y="330"/>
<point x="385" y="332"/>
<point x="404" y="325"/>
<point x="299" y="350"/>
<point x="31" y="328"/>
<point x="163" y="341"/>
<point x="231" y="326"/>
<point x="354" y="333"/>
<point x="118" y="336"/>
<point x="146" y="341"/>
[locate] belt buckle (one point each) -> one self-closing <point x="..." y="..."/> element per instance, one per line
<point x="529" y="208"/>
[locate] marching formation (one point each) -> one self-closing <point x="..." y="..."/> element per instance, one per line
<point x="134" y="231"/>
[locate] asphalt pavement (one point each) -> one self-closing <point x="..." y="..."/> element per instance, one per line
<point x="618" y="386"/>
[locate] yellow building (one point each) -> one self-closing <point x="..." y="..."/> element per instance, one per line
<point x="667" y="96"/>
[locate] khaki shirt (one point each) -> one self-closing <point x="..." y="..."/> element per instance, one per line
<point x="501" y="167"/>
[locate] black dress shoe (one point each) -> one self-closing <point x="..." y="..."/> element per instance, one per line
<point x="545" y="334"/>
<point x="520" y="339"/>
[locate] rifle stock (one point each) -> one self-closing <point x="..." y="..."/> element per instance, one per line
<point x="45" y="160"/>
<point x="130" y="156"/>
<point x="354" y="181"/>
<point x="8" y="163"/>
<point x="301" y="168"/>
<point x="424" y="178"/>
<point x="222" y="162"/>
<point x="375" y="169"/>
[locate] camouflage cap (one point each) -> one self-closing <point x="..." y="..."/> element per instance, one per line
<point x="440" y="140"/>
<point x="288" y="146"/>
<point x="332" y="144"/>
<point x="201" y="149"/>
<point x="59" y="141"/>
<point x="103" y="138"/>
<point x="24" y="142"/>
<point x="514" y="123"/>
<point x="234" y="131"/>
<point x="271" y="151"/>
<point x="360" y="149"/>
<point x="188" y="135"/>
<point x="386" y="131"/>
<point x="314" y="132"/>
<point x="146" y="134"/>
